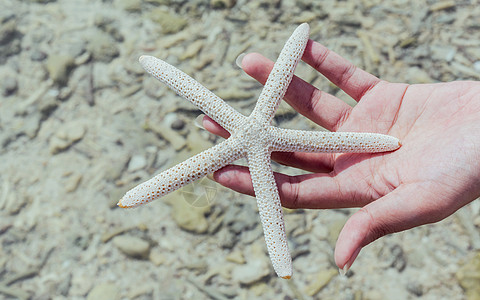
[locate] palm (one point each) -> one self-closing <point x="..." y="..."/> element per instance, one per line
<point x="435" y="124"/>
<point x="433" y="174"/>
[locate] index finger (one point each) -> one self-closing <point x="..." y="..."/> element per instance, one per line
<point x="320" y="107"/>
<point x="351" y="79"/>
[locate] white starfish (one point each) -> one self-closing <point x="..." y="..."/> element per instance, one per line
<point x="252" y="137"/>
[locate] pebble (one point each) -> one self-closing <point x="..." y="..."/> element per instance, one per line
<point x="38" y="55"/>
<point x="226" y="239"/>
<point x="468" y="276"/>
<point x="188" y="217"/>
<point x="8" y="29"/>
<point x="417" y="75"/>
<point x="59" y="67"/>
<point x="73" y="182"/>
<point x="169" y="22"/>
<point x="236" y="256"/>
<point x="192" y="50"/>
<point x="476" y="66"/>
<point x="157" y="257"/>
<point x="253" y="271"/>
<point x="109" y="26"/>
<point x="137" y="162"/>
<point x="9" y="85"/>
<point x="258" y="266"/>
<point x="320" y="280"/>
<point x="10" y="38"/>
<point x="66" y="136"/>
<point x="334" y="229"/>
<point x="177" y="124"/>
<point x="392" y="256"/>
<point x="132" y="246"/>
<point x="415" y="288"/>
<point x="164" y="130"/>
<point x="102" y="47"/>
<point x="221" y="4"/>
<point x="104" y="291"/>
<point x="445" y="53"/>
<point x="129" y="5"/>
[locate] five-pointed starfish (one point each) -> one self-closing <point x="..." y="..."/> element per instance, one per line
<point x="252" y="137"/>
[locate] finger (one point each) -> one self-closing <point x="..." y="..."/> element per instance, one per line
<point x="213" y="127"/>
<point x="321" y="190"/>
<point x="312" y="162"/>
<point x="236" y="178"/>
<point x="320" y="107"/>
<point x="402" y="209"/>
<point x="352" y="80"/>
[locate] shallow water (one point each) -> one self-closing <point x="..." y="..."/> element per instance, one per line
<point x="81" y="123"/>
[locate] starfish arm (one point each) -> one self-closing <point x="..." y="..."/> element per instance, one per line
<point x="270" y="210"/>
<point x="324" y="141"/>
<point x="193" y="91"/>
<point x="281" y="74"/>
<point x="183" y="173"/>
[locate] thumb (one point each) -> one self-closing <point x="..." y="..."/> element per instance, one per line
<point x="401" y="209"/>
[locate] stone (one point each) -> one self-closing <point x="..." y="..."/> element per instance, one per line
<point x="236" y="256"/>
<point x="129" y="5"/>
<point x="38" y="55"/>
<point x="417" y="75"/>
<point x="109" y="26"/>
<point x="177" y="124"/>
<point x="255" y="270"/>
<point x="31" y="125"/>
<point x="66" y="136"/>
<point x="169" y="22"/>
<point x="415" y="288"/>
<point x="334" y="229"/>
<point x="104" y="291"/>
<point x="163" y="128"/>
<point x="137" y="162"/>
<point x="102" y="47"/>
<point x="188" y="217"/>
<point x="476" y="66"/>
<point x="9" y="85"/>
<point x="192" y="50"/>
<point x="157" y="257"/>
<point x="10" y="37"/>
<point x="221" y="4"/>
<point x="8" y="30"/>
<point x="132" y="246"/>
<point x="442" y="52"/>
<point x="59" y="67"/>
<point x="468" y="276"/>
<point x="73" y="182"/>
<point x="321" y="280"/>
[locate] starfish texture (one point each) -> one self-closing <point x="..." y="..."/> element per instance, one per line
<point x="252" y="137"/>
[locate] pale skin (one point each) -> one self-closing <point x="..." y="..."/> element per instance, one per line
<point x="433" y="174"/>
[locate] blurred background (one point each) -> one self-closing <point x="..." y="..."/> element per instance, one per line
<point x="81" y="123"/>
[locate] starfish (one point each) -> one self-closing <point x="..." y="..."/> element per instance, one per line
<point x="252" y="137"/>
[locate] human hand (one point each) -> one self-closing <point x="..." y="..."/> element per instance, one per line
<point x="434" y="173"/>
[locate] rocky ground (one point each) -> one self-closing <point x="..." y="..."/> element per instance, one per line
<point x="81" y="123"/>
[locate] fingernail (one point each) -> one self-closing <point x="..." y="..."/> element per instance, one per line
<point x="349" y="263"/>
<point x="199" y="121"/>
<point x="239" y="59"/>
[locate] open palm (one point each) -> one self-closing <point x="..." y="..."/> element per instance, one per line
<point x="434" y="173"/>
